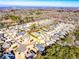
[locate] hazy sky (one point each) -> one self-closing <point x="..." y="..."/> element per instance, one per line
<point x="56" y="3"/>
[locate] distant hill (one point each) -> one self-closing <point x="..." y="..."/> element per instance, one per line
<point x="13" y="6"/>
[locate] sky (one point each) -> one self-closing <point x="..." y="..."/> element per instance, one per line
<point x="54" y="3"/>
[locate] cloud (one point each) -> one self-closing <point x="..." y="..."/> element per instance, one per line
<point x="56" y="4"/>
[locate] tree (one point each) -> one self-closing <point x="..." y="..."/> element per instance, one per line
<point x="33" y="26"/>
<point x="14" y="18"/>
<point x="62" y="52"/>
